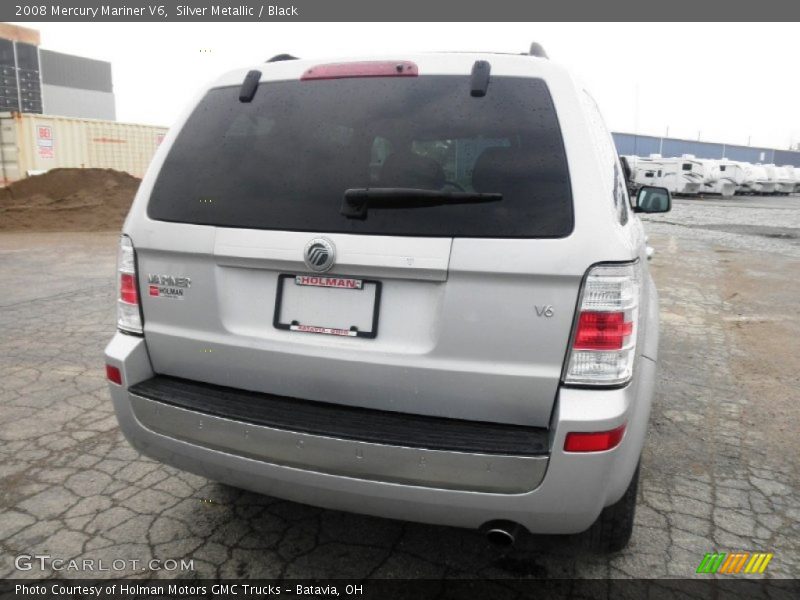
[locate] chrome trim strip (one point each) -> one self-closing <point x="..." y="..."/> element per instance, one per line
<point x="492" y="473"/>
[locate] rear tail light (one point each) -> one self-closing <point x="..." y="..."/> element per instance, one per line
<point x="602" y="331"/>
<point x="129" y="316"/>
<point x="595" y="441"/>
<point x="604" y="345"/>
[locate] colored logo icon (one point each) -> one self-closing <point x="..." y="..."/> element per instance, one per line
<point x="735" y="562"/>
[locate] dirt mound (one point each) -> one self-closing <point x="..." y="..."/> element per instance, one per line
<point x="68" y="200"/>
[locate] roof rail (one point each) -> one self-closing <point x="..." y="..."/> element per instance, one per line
<point x="280" y="57"/>
<point x="537" y="50"/>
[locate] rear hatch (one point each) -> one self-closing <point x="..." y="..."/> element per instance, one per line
<point x="445" y="302"/>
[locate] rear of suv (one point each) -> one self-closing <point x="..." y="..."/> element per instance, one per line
<point x="413" y="288"/>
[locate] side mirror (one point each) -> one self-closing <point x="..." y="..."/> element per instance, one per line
<point x="651" y="199"/>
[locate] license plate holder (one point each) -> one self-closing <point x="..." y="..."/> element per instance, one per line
<point x="327" y="289"/>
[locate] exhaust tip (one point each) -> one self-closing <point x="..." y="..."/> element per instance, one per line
<point x="500" y="538"/>
<point x="502" y="534"/>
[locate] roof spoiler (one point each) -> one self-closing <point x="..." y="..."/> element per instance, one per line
<point x="537" y="50"/>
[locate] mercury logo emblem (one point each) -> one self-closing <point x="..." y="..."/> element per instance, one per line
<point x="319" y="255"/>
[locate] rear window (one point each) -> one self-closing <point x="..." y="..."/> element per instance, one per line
<point x="285" y="160"/>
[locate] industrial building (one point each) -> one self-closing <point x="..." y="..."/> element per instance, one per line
<point x="645" y="145"/>
<point x="41" y="81"/>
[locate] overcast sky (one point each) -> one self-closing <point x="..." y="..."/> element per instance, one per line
<point x="721" y="82"/>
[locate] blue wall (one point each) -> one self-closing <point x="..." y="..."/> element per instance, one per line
<point x="644" y="145"/>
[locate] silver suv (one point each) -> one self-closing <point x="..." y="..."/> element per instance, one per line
<point x="408" y="287"/>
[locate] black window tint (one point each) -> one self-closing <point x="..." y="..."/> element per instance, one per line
<point x="722" y="167"/>
<point x="27" y="57"/>
<point x="687" y="166"/>
<point x="7" y="53"/>
<point x="284" y="160"/>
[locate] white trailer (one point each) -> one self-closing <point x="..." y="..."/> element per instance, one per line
<point x="772" y="178"/>
<point x="784" y="180"/>
<point x="721" y="177"/>
<point x="681" y="176"/>
<point x="645" y="171"/>
<point x="732" y="172"/>
<point x="747" y="183"/>
<point x="758" y="180"/>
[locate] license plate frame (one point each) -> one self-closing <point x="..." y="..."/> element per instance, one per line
<point x="322" y="329"/>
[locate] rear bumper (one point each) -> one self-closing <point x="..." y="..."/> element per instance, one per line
<point x="558" y="493"/>
<point x="379" y="462"/>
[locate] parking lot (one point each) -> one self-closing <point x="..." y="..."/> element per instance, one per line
<point x="719" y="473"/>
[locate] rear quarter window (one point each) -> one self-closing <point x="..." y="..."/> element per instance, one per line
<point x="285" y="160"/>
<point x="612" y="176"/>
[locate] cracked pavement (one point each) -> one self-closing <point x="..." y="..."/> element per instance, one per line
<point x="719" y="471"/>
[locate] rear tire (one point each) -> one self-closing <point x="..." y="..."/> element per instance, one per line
<point x="613" y="528"/>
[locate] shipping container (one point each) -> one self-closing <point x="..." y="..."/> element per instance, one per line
<point x="32" y="144"/>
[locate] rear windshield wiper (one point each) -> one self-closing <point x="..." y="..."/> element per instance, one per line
<point x="357" y="200"/>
